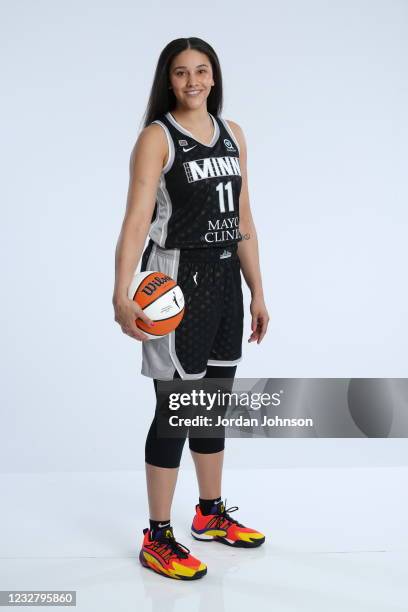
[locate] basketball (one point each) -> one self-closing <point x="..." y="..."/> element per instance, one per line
<point x="161" y="299"/>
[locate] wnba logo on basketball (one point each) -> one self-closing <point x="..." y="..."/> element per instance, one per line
<point x="155" y="283"/>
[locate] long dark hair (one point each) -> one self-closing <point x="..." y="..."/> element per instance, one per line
<point x="162" y="99"/>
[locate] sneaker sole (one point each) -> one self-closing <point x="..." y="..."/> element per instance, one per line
<point x="237" y="544"/>
<point x="197" y="575"/>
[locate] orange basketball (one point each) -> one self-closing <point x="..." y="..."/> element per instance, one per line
<point x="161" y="299"/>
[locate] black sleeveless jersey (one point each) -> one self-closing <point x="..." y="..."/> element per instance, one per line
<point x="197" y="203"/>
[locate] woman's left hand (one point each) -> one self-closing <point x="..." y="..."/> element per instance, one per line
<point x="260" y="319"/>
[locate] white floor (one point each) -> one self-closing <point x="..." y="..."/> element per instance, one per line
<point x="336" y="540"/>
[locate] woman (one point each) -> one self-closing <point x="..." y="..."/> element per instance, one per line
<point x="188" y="191"/>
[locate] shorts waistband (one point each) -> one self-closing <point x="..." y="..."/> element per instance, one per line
<point x="203" y="254"/>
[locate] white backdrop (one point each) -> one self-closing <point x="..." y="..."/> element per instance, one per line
<point x="320" y="91"/>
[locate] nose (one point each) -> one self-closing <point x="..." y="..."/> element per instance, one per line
<point x="191" y="81"/>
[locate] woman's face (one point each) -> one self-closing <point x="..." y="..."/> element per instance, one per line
<point x="191" y="78"/>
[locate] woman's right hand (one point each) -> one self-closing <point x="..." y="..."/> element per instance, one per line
<point x="126" y="313"/>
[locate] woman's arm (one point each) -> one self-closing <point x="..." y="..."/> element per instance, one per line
<point x="248" y="251"/>
<point x="146" y="163"/>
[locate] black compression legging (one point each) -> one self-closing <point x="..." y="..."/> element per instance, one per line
<point x="166" y="452"/>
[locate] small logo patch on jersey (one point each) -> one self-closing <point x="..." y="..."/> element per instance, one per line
<point x="183" y="143"/>
<point x="229" y="145"/>
<point x="225" y="254"/>
<point x="189" y="149"/>
<point x="195" y="278"/>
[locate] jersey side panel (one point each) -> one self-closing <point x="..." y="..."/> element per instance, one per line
<point x="163" y="207"/>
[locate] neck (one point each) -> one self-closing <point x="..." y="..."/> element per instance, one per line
<point x="191" y="117"/>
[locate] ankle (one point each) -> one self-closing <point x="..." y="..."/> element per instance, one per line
<point x="207" y="505"/>
<point x="157" y="525"/>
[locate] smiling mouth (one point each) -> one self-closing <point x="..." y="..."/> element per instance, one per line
<point x="194" y="92"/>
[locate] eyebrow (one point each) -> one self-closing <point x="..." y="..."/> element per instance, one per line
<point x="199" y="66"/>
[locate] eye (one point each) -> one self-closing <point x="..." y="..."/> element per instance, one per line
<point x="179" y="72"/>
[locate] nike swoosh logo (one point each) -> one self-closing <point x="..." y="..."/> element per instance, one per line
<point x="164" y="525"/>
<point x="185" y="150"/>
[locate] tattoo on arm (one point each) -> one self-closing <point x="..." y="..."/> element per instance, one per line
<point x="245" y="236"/>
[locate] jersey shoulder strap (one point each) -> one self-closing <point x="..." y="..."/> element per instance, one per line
<point x="165" y="124"/>
<point x="223" y="122"/>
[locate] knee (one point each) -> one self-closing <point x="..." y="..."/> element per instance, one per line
<point x="164" y="455"/>
<point x="163" y="452"/>
<point x="206" y="445"/>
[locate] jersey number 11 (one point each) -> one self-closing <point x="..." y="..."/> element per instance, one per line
<point x="220" y="188"/>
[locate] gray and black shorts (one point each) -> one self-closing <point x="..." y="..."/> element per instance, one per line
<point x="211" y="330"/>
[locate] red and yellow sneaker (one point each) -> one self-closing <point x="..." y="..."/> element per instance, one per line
<point x="219" y="526"/>
<point x="165" y="556"/>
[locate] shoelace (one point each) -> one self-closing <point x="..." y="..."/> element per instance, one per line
<point x="168" y="546"/>
<point x="224" y="516"/>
